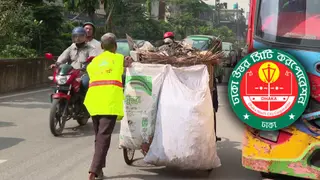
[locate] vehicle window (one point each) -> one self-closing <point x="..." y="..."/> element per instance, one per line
<point x="123" y="48"/>
<point x="289" y="21"/>
<point x="226" y="46"/>
<point x="200" y="44"/>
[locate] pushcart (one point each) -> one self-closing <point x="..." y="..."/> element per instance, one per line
<point x="128" y="154"/>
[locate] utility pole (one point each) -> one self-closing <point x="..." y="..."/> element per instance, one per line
<point x="236" y="7"/>
<point x="218" y="11"/>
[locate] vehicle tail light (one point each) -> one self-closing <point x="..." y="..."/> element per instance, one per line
<point x="269" y="135"/>
<point x="274" y="137"/>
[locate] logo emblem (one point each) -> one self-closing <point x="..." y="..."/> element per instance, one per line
<point x="104" y="63"/>
<point x="269" y="90"/>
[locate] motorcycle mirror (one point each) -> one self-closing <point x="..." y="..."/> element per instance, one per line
<point x="49" y="56"/>
<point x="89" y="59"/>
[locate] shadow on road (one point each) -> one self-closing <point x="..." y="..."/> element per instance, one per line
<point x="6" y="124"/>
<point x="169" y="173"/>
<point x="165" y="173"/>
<point x="83" y="131"/>
<point x="78" y="131"/>
<point x="230" y="156"/>
<point x="231" y="159"/>
<point x="6" y="142"/>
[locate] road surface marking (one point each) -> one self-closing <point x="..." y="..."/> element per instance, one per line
<point x="25" y="93"/>
<point x="2" y="161"/>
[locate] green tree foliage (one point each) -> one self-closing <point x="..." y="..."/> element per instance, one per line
<point x="30" y="28"/>
<point x="124" y="16"/>
<point x="17" y="51"/>
<point x="16" y="29"/>
<point x="82" y="6"/>
<point x="49" y="32"/>
<point x="194" y="7"/>
<point x="187" y="21"/>
<point x="224" y="33"/>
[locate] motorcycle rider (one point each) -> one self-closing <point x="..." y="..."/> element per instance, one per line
<point x="169" y="35"/>
<point x="77" y="54"/>
<point x="169" y="43"/>
<point x="90" y="29"/>
<point x="168" y="38"/>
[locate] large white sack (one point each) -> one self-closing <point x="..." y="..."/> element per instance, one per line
<point x="184" y="133"/>
<point x="143" y="84"/>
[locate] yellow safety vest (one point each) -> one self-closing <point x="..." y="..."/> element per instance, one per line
<point x="105" y="94"/>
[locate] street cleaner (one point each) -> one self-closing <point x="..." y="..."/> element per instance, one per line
<point x="77" y="54"/>
<point x="104" y="99"/>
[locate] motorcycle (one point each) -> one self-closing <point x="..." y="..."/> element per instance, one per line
<point x="67" y="100"/>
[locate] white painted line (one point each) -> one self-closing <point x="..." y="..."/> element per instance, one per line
<point x="2" y="161"/>
<point x="25" y="93"/>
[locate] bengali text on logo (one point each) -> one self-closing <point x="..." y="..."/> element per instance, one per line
<point x="269" y="90"/>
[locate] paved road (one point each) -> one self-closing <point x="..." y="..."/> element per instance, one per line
<point x="29" y="152"/>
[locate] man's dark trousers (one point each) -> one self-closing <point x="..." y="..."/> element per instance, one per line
<point x="103" y="128"/>
<point x="215" y="103"/>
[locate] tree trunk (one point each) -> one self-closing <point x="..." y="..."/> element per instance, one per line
<point x="92" y="17"/>
<point x="75" y="18"/>
<point x="108" y="20"/>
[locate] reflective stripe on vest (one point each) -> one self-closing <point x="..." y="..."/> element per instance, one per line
<point x="106" y="83"/>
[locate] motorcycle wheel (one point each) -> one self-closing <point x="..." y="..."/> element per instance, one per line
<point x="128" y="155"/>
<point x="55" y="117"/>
<point x="82" y="121"/>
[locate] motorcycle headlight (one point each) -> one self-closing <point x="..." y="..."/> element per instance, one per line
<point x="62" y="79"/>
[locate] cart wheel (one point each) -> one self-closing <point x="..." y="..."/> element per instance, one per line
<point x="220" y="79"/>
<point x="218" y="139"/>
<point x="128" y="155"/>
<point x="209" y="170"/>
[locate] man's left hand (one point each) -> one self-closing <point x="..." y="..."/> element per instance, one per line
<point x="128" y="61"/>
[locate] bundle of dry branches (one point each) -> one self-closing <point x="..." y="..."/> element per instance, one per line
<point x="197" y="58"/>
<point x="181" y="55"/>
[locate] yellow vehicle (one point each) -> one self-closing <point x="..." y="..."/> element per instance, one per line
<point x="289" y="151"/>
<point x="293" y="151"/>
